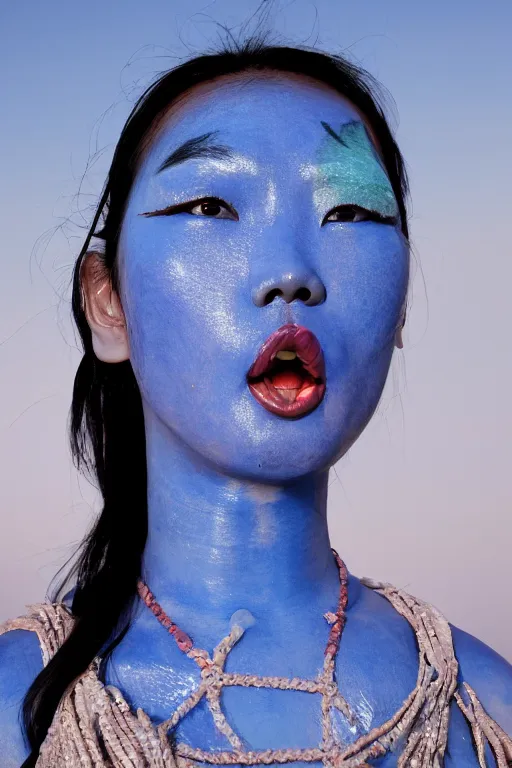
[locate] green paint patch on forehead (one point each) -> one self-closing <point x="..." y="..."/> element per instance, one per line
<point x="350" y="172"/>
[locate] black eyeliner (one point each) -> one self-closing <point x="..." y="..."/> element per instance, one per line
<point x="180" y="207"/>
<point x="372" y="216"/>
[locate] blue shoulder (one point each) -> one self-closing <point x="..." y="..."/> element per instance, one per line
<point x="488" y="673"/>
<point x="20" y="663"/>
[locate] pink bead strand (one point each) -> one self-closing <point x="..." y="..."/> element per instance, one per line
<point x="185" y="644"/>
<point x="183" y="641"/>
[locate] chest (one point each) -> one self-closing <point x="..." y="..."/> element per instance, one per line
<point x="280" y="719"/>
<point x="271" y="696"/>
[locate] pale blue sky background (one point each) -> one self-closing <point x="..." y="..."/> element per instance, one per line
<point x="424" y="498"/>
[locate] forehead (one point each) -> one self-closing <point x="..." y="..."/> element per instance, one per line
<point x="264" y="113"/>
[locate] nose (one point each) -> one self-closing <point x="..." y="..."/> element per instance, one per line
<point x="291" y="286"/>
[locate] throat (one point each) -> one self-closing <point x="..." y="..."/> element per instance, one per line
<point x="217" y="543"/>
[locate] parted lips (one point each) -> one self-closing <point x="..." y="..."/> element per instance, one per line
<point x="288" y="375"/>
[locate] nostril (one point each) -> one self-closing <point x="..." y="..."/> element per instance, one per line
<point x="303" y="294"/>
<point x="271" y="295"/>
<point x="289" y="286"/>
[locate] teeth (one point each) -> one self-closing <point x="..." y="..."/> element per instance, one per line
<point x="286" y="354"/>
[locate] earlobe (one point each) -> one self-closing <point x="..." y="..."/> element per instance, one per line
<point x="103" y="311"/>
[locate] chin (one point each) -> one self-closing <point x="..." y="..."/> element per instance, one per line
<point x="262" y="447"/>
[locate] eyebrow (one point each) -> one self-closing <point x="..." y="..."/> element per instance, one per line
<point x="200" y="146"/>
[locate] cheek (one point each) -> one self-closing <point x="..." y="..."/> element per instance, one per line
<point x="367" y="275"/>
<point x="184" y="291"/>
<point x="367" y="282"/>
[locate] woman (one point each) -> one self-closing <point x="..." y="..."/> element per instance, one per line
<point x="238" y="324"/>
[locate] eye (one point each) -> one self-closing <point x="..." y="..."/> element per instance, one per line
<point x="354" y="213"/>
<point x="211" y="207"/>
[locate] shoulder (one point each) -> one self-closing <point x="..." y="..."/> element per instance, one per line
<point x="20" y="663"/>
<point x="372" y="616"/>
<point x="378" y="655"/>
<point x="488" y="673"/>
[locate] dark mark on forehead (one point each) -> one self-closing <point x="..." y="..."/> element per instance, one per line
<point x="333" y="134"/>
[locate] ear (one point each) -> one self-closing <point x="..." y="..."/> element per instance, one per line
<point x="103" y="311"/>
<point x="399" y="343"/>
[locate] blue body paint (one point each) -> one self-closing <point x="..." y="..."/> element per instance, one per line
<point x="237" y="495"/>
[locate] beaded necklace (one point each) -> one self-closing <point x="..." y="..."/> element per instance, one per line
<point x="214" y="678"/>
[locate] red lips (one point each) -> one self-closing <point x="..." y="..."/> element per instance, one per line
<point x="289" y="387"/>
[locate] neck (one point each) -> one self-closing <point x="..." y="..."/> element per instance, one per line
<point x="223" y="543"/>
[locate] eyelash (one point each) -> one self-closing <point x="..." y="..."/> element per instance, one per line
<point x="188" y="207"/>
<point x="353" y="213"/>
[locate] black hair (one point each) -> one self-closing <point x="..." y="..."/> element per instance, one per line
<point x="107" y="425"/>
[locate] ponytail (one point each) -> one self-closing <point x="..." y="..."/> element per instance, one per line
<point x="106" y="406"/>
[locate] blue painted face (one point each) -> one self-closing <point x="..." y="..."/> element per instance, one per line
<point x="300" y="200"/>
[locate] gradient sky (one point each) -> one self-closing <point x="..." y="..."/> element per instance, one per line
<point x="424" y="498"/>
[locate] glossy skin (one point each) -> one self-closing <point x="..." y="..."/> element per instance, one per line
<point x="237" y="495"/>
